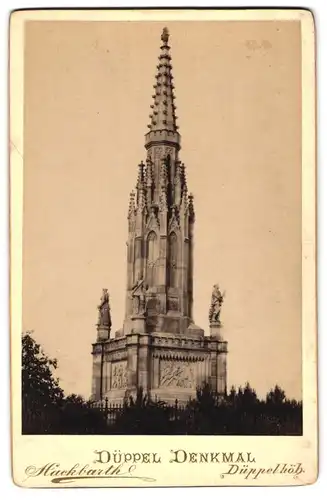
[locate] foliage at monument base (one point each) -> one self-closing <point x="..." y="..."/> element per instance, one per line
<point x="46" y="409"/>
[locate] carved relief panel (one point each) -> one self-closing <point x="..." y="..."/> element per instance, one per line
<point x="149" y="154"/>
<point x="174" y="373"/>
<point x="173" y="304"/>
<point x="169" y="151"/>
<point x="119" y="375"/>
<point x="158" y="152"/>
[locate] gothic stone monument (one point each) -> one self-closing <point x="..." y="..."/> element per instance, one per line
<point x="159" y="348"/>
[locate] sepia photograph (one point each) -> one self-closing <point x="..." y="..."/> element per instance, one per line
<point x="162" y="228"/>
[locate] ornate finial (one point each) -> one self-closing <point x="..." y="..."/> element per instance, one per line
<point x="184" y="198"/>
<point x="140" y="186"/>
<point x="142" y="201"/>
<point x="163" y="206"/>
<point x="163" y="173"/>
<point x="165" y="35"/>
<point x="183" y="176"/>
<point x="162" y="118"/>
<point x="131" y="207"/>
<point x="191" y="206"/>
<point x="178" y="173"/>
<point x="104" y="319"/>
<point x="217" y="299"/>
<point x="148" y="173"/>
<point x="141" y="190"/>
<point x="141" y="171"/>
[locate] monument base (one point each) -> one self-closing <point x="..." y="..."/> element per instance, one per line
<point x="167" y="366"/>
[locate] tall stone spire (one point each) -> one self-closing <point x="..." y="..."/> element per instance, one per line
<point x="159" y="348"/>
<point x="161" y="219"/>
<point x="162" y="124"/>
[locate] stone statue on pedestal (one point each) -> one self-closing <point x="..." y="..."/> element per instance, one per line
<point x="104" y="319"/>
<point x="142" y="299"/>
<point x="138" y="282"/>
<point x="217" y="299"/>
<point x="138" y="296"/>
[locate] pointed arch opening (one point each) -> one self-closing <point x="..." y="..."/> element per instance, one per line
<point x="172" y="260"/>
<point x="151" y="258"/>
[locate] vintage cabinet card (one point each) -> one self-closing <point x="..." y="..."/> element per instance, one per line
<point x="163" y="294"/>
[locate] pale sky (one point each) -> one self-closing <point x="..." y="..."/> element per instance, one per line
<point x="88" y="88"/>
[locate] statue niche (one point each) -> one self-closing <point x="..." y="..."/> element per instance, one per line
<point x="138" y="297"/>
<point x="151" y="258"/>
<point x="172" y="257"/>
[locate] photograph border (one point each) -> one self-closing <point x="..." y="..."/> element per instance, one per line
<point x="304" y="447"/>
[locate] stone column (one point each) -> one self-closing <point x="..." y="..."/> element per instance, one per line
<point x="155" y="372"/>
<point x="222" y="368"/>
<point x="185" y="283"/>
<point x="190" y="270"/>
<point x="138" y="323"/>
<point x="216" y="330"/>
<point x="130" y="275"/>
<point x="162" y="260"/>
<point x="132" y="341"/>
<point x="103" y="333"/>
<point x="130" y="260"/>
<point x="107" y="379"/>
<point x="207" y="369"/>
<point x="213" y="373"/>
<point x="221" y="355"/>
<point x="138" y="260"/>
<point x="200" y="372"/>
<point x="96" y="376"/>
<point x="144" y="363"/>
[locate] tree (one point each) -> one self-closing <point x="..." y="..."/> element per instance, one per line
<point x="285" y="416"/>
<point x="41" y="392"/>
<point x="231" y="397"/>
<point x="77" y="416"/>
<point x="203" y="414"/>
<point x="45" y="409"/>
<point x="141" y="415"/>
<point x="276" y="396"/>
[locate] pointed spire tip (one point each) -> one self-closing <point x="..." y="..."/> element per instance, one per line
<point x="162" y="115"/>
<point x="165" y="35"/>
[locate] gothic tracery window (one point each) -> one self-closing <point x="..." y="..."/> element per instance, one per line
<point x="151" y="256"/>
<point x="173" y="260"/>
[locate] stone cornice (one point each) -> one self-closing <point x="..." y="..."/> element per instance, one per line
<point x="208" y="344"/>
<point x="180" y="355"/>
